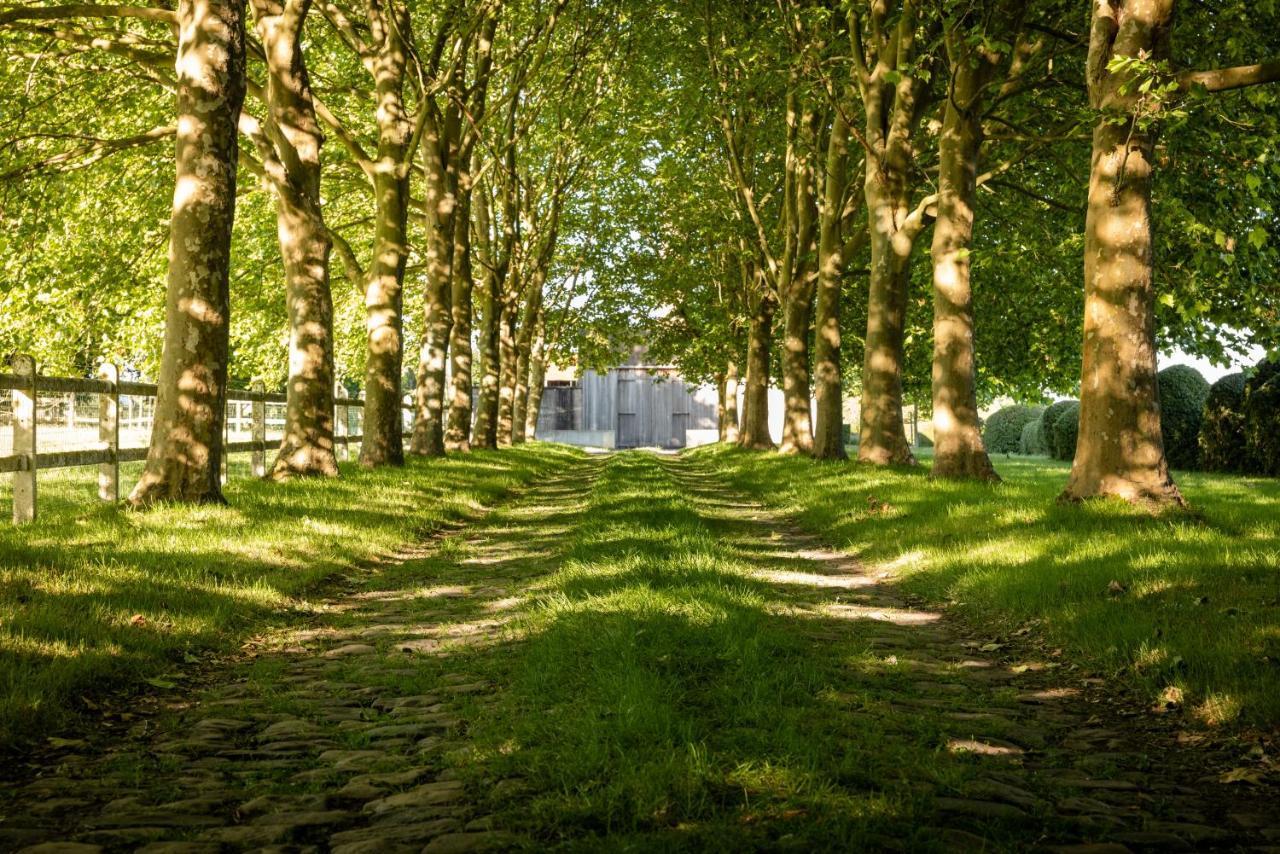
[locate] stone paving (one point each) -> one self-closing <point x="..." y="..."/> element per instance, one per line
<point x="332" y="736"/>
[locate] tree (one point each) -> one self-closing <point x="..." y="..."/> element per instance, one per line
<point x="1120" y="451"/>
<point x="184" y="460"/>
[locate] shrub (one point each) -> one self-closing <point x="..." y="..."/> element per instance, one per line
<point x="1182" y="394"/>
<point x="1051" y="413"/>
<point x="1066" y="428"/>
<point x="1222" y="446"/>
<point x="1262" y="419"/>
<point x="1003" y="433"/>
<point x="1029" y="442"/>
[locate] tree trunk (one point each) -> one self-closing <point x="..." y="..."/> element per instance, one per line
<point x="729" y="411"/>
<point x="441" y="203"/>
<point x="485" y="433"/>
<point x="184" y="459"/>
<point x="537" y="377"/>
<point x="755" y="415"/>
<point x="507" y="364"/>
<point x="882" y="439"/>
<point x="458" y="435"/>
<point x="959" y="451"/>
<point x="524" y="352"/>
<point x="1120" y="451"/>
<point x="383" y="428"/>
<point x="797" y="423"/>
<point x="828" y="436"/>
<point x="307" y="447"/>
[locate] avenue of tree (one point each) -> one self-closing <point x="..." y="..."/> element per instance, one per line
<point x="907" y="201"/>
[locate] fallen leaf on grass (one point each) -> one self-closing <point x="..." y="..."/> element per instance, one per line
<point x="1252" y="776"/>
<point x="137" y="620"/>
<point x="1115" y="588"/>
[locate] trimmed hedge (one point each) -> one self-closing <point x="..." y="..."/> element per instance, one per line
<point x="1051" y="413"/>
<point x="1262" y="419"/>
<point x="1183" y="392"/>
<point x="1066" y="429"/>
<point x="1221" y="440"/>
<point x="1003" y="434"/>
<point x="1029" y="443"/>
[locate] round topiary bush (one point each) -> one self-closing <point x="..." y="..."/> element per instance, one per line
<point x="1222" y="446"/>
<point x="1029" y="443"/>
<point x="1003" y="433"/>
<point x="1182" y="395"/>
<point x="1262" y="419"/>
<point x="1066" y="428"/>
<point x="1051" y="413"/>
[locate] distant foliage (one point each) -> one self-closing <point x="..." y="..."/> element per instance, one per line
<point x="1222" y="443"/>
<point x="1262" y="419"/>
<point x="1003" y="434"/>
<point x="1066" y="429"/>
<point x="1051" y="413"/>
<point x="1182" y="395"/>
<point x="1029" y="442"/>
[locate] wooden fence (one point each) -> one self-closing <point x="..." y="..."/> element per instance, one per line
<point x="25" y="386"/>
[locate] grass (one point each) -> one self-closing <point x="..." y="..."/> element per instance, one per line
<point x="659" y="692"/>
<point x="1194" y="620"/>
<point x="95" y="599"/>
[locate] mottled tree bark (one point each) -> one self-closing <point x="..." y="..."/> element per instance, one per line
<point x="959" y="451"/>
<point x="507" y="358"/>
<point x="458" y="435"/>
<point x="537" y="376"/>
<point x="755" y="405"/>
<point x="828" y="435"/>
<point x="441" y="190"/>
<point x="893" y="109"/>
<point x="729" y="431"/>
<point x="796" y="287"/>
<point x="1120" y="451"/>
<point x="524" y="353"/>
<point x="383" y="429"/>
<point x="185" y="455"/>
<point x="306" y="448"/>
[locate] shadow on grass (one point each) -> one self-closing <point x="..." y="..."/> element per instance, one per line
<point x="658" y="692"/>
<point x="1197" y="615"/>
<point x="93" y="598"/>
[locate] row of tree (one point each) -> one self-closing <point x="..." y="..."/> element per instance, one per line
<point x="842" y="134"/>
<point x="454" y="127"/>
<point x="744" y="187"/>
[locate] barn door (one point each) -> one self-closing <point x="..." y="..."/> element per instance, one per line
<point x="628" y="422"/>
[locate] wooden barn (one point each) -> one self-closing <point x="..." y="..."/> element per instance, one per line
<point x="633" y="406"/>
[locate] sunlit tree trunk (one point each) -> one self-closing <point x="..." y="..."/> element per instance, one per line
<point x="383" y="430"/>
<point x="185" y="455"/>
<point x="959" y="451"/>
<point x="755" y="406"/>
<point x="524" y="354"/>
<point x="893" y="107"/>
<point x="441" y="191"/>
<point x="537" y="375"/>
<point x="507" y="358"/>
<point x="729" y="432"/>
<point x="1120" y="451"/>
<point x="828" y="436"/>
<point x="458" y="435"/>
<point x="306" y="448"/>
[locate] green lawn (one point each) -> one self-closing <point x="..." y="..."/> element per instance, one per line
<point x="1195" y="617"/>
<point x="95" y="598"/>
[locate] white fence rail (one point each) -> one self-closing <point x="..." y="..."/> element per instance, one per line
<point x="51" y="423"/>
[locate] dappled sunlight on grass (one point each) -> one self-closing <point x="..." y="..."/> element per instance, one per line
<point x="1204" y="585"/>
<point x="117" y="596"/>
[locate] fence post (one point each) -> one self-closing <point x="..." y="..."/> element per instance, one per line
<point x="259" y="409"/>
<point x="340" y="422"/>
<point x="109" y="433"/>
<point x="24" y="440"/>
